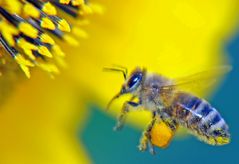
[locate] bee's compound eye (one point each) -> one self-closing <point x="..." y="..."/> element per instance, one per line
<point x="135" y="80"/>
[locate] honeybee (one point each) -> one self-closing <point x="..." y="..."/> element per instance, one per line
<point x="171" y="103"/>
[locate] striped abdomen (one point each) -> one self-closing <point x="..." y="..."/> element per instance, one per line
<point x="201" y="119"/>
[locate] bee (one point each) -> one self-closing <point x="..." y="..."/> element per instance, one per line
<point x="169" y="102"/>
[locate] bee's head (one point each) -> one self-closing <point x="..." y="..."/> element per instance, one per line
<point x="132" y="82"/>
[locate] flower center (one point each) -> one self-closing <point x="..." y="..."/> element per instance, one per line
<point x="30" y="30"/>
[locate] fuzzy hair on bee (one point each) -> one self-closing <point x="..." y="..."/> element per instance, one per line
<point x="169" y="103"/>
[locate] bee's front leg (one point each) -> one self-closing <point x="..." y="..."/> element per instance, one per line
<point x="127" y="107"/>
<point x="146" y="137"/>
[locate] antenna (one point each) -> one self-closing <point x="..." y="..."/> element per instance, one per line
<point x="123" y="70"/>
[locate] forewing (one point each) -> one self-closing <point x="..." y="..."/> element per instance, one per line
<point x="197" y="82"/>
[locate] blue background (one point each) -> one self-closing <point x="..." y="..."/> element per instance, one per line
<point x="107" y="147"/>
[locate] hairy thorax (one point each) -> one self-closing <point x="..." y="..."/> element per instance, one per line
<point x="151" y="95"/>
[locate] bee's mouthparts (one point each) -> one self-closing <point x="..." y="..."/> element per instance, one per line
<point x="111" y="101"/>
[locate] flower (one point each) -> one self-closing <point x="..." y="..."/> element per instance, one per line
<point x="27" y="29"/>
<point x="175" y="38"/>
<point x="38" y="123"/>
<point x="31" y="33"/>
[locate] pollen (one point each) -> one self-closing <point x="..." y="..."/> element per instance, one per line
<point x="64" y="26"/>
<point x="71" y="40"/>
<point x="49" y="9"/>
<point x="30" y="31"/>
<point x="65" y="1"/>
<point x="31" y="11"/>
<point x="161" y="135"/>
<point x="47" y="24"/>
<point x="77" y="2"/>
<point x="44" y="38"/>
<point x="222" y="140"/>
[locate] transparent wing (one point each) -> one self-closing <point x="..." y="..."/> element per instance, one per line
<point x="197" y="82"/>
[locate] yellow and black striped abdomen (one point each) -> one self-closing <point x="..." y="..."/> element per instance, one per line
<point x="201" y="119"/>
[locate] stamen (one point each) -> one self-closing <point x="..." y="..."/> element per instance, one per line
<point x="46" y="7"/>
<point x="26" y="26"/>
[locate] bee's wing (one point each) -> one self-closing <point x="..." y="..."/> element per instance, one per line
<point x="197" y="82"/>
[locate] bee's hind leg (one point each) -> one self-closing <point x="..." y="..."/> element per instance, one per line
<point x="172" y="124"/>
<point x="146" y="137"/>
<point x="127" y="107"/>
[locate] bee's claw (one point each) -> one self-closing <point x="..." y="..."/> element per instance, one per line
<point x="119" y="125"/>
<point x="145" y="140"/>
<point x="151" y="149"/>
<point x="143" y="144"/>
<point x="152" y="152"/>
<point x="142" y="148"/>
<point x="117" y="128"/>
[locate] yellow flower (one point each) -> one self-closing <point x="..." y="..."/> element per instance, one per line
<point x="40" y="116"/>
<point x="39" y="121"/>
<point x="30" y="30"/>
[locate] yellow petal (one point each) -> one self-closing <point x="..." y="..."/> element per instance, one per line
<point x="174" y="38"/>
<point x="37" y="123"/>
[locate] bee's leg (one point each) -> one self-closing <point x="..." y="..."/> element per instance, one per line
<point x="127" y="107"/>
<point x="146" y="137"/>
<point x="172" y="124"/>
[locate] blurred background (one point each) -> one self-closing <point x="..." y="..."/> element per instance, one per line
<point x="108" y="146"/>
<point x="63" y="120"/>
